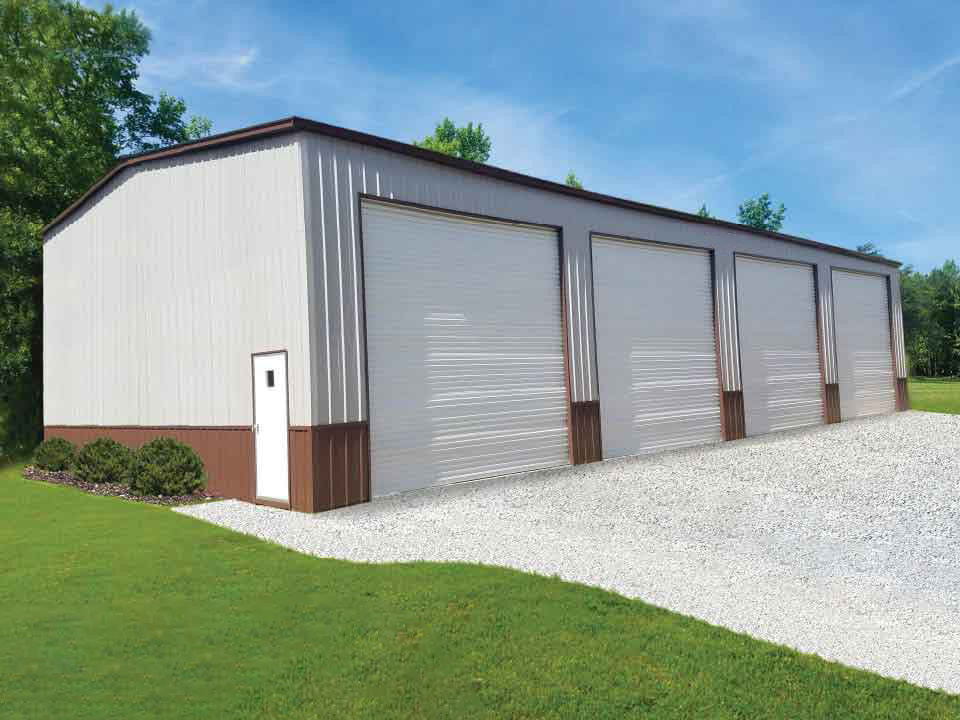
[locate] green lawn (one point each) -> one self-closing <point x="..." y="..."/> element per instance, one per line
<point x="114" y="609"/>
<point x="935" y="395"/>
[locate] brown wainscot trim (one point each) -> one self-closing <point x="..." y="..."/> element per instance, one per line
<point x="734" y="419"/>
<point x="329" y="466"/>
<point x="226" y="451"/>
<point x="586" y="445"/>
<point x="831" y="408"/>
<point x="903" y="395"/>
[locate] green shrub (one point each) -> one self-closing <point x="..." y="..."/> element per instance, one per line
<point x="55" y="454"/>
<point x="166" y="467"/>
<point x="103" y="460"/>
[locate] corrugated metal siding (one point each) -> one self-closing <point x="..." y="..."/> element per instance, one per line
<point x="900" y="355"/>
<point x="156" y="294"/>
<point x="782" y="385"/>
<point x="828" y="348"/>
<point x="337" y="170"/>
<point x="728" y="339"/>
<point x="467" y="375"/>
<point x="204" y="255"/>
<point x="865" y="361"/>
<point x="656" y="344"/>
<point x="336" y="173"/>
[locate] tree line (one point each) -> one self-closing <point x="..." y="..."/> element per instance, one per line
<point x="931" y="320"/>
<point x="69" y="107"/>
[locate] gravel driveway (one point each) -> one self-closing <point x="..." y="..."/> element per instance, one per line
<point x="842" y="541"/>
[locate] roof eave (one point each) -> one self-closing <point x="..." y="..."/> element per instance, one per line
<point x="295" y="123"/>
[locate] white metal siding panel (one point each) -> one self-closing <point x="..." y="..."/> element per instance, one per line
<point x="782" y="384"/>
<point x="864" y="358"/>
<point x="336" y="173"/>
<point x="656" y="347"/>
<point x="725" y="302"/>
<point x="393" y="175"/>
<point x="899" y="355"/>
<point x="464" y="326"/>
<point x="828" y="351"/>
<point x="159" y="290"/>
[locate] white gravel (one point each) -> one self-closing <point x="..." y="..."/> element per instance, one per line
<point x="842" y="541"/>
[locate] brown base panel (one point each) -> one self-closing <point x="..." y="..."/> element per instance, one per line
<point x="903" y="395"/>
<point x="734" y="420"/>
<point x="831" y="403"/>
<point x="585" y="443"/>
<point x="330" y="466"/>
<point x="227" y="452"/>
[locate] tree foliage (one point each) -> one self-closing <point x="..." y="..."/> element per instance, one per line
<point x="931" y="319"/>
<point x="573" y="181"/>
<point x="703" y="212"/>
<point x="868" y="248"/>
<point x="467" y="142"/>
<point x="69" y="106"/>
<point x="760" y="213"/>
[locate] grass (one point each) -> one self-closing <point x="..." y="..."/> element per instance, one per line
<point x="115" y="609"/>
<point x="935" y="395"/>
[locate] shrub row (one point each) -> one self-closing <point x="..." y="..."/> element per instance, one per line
<point x="162" y="466"/>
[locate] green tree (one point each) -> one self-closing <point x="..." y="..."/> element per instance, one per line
<point x="703" y="212"/>
<point x="573" y="181"/>
<point x="760" y="213"/>
<point x="70" y="106"/>
<point x="467" y="142"/>
<point x="868" y="248"/>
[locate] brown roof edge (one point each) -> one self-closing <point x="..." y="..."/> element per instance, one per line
<point x="295" y="123"/>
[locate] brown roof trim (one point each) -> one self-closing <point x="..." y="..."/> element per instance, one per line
<point x="295" y="123"/>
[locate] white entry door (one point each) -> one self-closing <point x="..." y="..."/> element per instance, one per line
<point x="656" y="347"/>
<point x="271" y="425"/>
<point x="779" y="353"/>
<point x="464" y="346"/>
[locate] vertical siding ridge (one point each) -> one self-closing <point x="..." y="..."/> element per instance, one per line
<point x="326" y="289"/>
<point x="574" y="391"/>
<point x="343" y="337"/>
<point x="585" y="332"/>
<point x="305" y="187"/>
<point x="577" y="357"/>
<point x="356" y="292"/>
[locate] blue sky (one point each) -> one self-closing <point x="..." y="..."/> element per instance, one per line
<point x="846" y="112"/>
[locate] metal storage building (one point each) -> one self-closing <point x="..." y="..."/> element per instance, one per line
<point x="327" y="316"/>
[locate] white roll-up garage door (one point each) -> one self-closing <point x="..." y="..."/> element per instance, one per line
<point x="779" y="357"/>
<point x="864" y="358"/>
<point x="464" y="348"/>
<point x="656" y="347"/>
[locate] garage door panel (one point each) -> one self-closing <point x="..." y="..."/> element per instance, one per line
<point x="779" y="351"/>
<point x="656" y="347"/>
<point x="864" y="356"/>
<point x="465" y="348"/>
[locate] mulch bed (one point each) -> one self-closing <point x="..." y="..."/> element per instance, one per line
<point x="112" y="489"/>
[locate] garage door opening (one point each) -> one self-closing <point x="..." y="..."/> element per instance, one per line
<point x="465" y="353"/>
<point x="779" y="350"/>
<point x="656" y="347"/>
<point x="864" y="356"/>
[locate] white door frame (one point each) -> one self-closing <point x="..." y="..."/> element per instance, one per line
<point x="253" y="428"/>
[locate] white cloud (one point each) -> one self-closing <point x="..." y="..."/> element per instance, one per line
<point x="922" y="79"/>
<point x="230" y="69"/>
